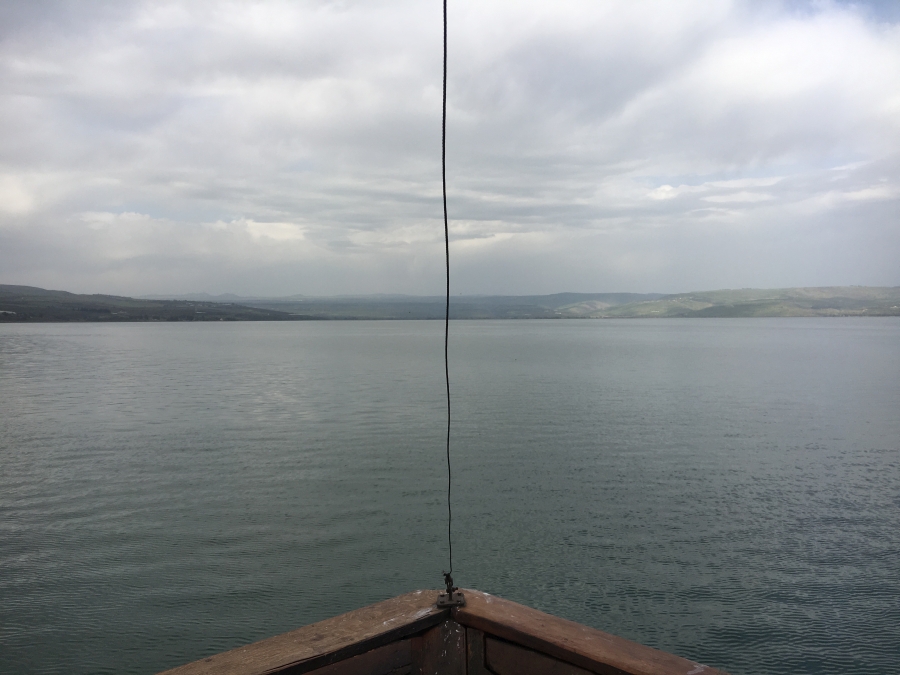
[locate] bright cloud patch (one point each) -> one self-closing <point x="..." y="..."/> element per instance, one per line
<point x="276" y="231"/>
<point x="15" y="198"/>
<point x="740" y="197"/>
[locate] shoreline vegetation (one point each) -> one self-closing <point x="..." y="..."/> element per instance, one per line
<point x="28" y="304"/>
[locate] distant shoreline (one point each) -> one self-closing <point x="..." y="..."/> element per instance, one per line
<point x="28" y="304"/>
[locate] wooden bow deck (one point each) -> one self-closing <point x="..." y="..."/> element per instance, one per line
<point x="409" y="635"/>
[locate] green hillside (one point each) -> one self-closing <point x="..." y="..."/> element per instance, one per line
<point x="30" y="304"/>
<point x="817" y="301"/>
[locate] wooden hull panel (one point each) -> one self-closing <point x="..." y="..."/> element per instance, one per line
<point x="410" y="635"/>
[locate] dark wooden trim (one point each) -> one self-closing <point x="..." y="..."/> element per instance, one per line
<point x="393" y="659"/>
<point x="505" y="658"/>
<point x="570" y="642"/>
<point x="442" y="651"/>
<point x="327" y="642"/>
<point x="475" y="663"/>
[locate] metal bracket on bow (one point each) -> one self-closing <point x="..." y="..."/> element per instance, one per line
<point x="452" y="597"/>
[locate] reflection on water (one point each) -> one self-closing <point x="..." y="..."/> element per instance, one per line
<point x="725" y="489"/>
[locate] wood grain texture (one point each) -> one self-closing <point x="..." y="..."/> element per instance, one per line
<point x="392" y="659"/>
<point x="567" y="641"/>
<point x="443" y="650"/>
<point x="475" y="662"/>
<point x="505" y="658"/>
<point x="326" y="642"/>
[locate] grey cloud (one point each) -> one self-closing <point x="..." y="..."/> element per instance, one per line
<point x="276" y="147"/>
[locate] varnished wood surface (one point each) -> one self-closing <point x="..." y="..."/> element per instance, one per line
<point x="393" y="659"/>
<point x="505" y="658"/>
<point x="567" y="641"/>
<point x="443" y="650"/>
<point x="475" y="661"/>
<point x="326" y="642"/>
<point x="410" y="635"/>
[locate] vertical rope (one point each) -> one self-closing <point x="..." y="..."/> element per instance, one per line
<point x="447" y="309"/>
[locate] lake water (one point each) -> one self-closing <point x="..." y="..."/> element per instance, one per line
<point x="728" y="490"/>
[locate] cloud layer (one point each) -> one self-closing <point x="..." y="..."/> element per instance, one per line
<point x="289" y="147"/>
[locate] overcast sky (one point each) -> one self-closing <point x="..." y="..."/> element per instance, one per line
<point x="292" y="147"/>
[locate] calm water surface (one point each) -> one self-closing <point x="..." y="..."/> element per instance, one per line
<point x="728" y="490"/>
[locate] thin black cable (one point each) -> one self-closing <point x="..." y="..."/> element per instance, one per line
<point x="447" y="312"/>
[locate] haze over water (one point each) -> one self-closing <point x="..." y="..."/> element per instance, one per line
<point x="728" y="490"/>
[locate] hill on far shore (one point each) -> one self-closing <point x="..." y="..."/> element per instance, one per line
<point x="750" y="302"/>
<point x="31" y="304"/>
